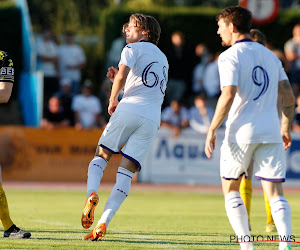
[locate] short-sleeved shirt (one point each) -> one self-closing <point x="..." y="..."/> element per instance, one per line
<point x="146" y="82"/>
<point x="70" y="55"/>
<point x="88" y="108"/>
<point x="7" y="68"/>
<point x="256" y="71"/>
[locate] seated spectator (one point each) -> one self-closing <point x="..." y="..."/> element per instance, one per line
<point x="87" y="109"/>
<point x="65" y="96"/>
<point x="200" y="115"/>
<point x="175" y="117"/>
<point x="54" y="115"/>
<point x="296" y="122"/>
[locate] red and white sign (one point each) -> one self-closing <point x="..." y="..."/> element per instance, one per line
<point x="263" y="11"/>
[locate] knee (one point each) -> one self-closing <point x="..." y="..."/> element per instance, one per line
<point x="104" y="153"/>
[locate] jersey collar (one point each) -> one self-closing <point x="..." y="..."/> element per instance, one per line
<point x="244" y="40"/>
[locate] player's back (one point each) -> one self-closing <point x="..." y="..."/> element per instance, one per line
<point x="253" y="117"/>
<point x="147" y="80"/>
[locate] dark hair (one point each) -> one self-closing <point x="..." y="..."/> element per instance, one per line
<point x="146" y="23"/>
<point x="240" y="17"/>
<point x="257" y="36"/>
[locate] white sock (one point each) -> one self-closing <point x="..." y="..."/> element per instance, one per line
<point x="238" y="218"/>
<point x="95" y="174"/>
<point x="281" y="213"/>
<point x="118" y="194"/>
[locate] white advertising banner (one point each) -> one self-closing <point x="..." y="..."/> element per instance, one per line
<point x="182" y="160"/>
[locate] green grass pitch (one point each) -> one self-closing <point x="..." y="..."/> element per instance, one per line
<point x="148" y="219"/>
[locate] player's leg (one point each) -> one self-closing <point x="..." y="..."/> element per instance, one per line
<point x="281" y="211"/>
<point x="4" y="212"/>
<point x="112" y="138"/>
<point x="10" y="229"/>
<point x="270" y="225"/>
<point x="140" y="138"/>
<point x="95" y="174"/>
<point x="234" y="162"/>
<point x="246" y="189"/>
<point x="272" y="170"/>
<point x="117" y="196"/>
<point x="236" y="212"/>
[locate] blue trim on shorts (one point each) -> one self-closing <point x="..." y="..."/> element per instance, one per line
<point x="101" y="145"/>
<point x="132" y="159"/>
<point x="234" y="178"/>
<point x="270" y="179"/>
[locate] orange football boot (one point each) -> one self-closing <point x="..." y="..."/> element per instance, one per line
<point x="97" y="233"/>
<point x="87" y="218"/>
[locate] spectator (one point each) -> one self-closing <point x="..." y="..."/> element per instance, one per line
<point x="114" y="54"/>
<point x="65" y="96"/>
<point x="202" y="53"/>
<point x="71" y="62"/>
<point x="200" y="115"/>
<point x="292" y="53"/>
<point x="175" y="117"/>
<point x="179" y="57"/>
<point x="54" y="115"/>
<point x="87" y="109"/>
<point x="296" y="122"/>
<point x="47" y="52"/>
<point x="211" y="82"/>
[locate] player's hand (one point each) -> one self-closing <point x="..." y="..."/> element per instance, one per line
<point x="210" y="143"/>
<point x="111" y="73"/>
<point x="112" y="106"/>
<point x="287" y="139"/>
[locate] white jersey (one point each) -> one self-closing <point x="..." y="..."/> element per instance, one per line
<point x="256" y="71"/>
<point x="146" y="82"/>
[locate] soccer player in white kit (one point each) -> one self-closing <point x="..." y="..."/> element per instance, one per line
<point x="251" y="77"/>
<point x="143" y="73"/>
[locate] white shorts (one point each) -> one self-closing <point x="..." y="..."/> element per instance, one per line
<point x="269" y="161"/>
<point x="136" y="132"/>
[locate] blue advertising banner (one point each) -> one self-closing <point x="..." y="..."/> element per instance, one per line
<point x="181" y="160"/>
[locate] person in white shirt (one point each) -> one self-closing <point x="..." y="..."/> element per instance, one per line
<point x="87" y="108"/>
<point x="200" y="115"/>
<point x="251" y="77"/>
<point x="143" y="73"/>
<point x="71" y="61"/>
<point x="47" y="52"/>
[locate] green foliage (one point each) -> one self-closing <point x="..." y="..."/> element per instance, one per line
<point x="7" y="3"/>
<point x="79" y="16"/>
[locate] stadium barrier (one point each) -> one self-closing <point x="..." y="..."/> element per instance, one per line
<point x="182" y="160"/>
<point x="34" y="154"/>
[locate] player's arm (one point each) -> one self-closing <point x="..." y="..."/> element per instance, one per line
<point x="118" y="84"/>
<point x="223" y="106"/>
<point x="5" y="91"/>
<point x="288" y="109"/>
